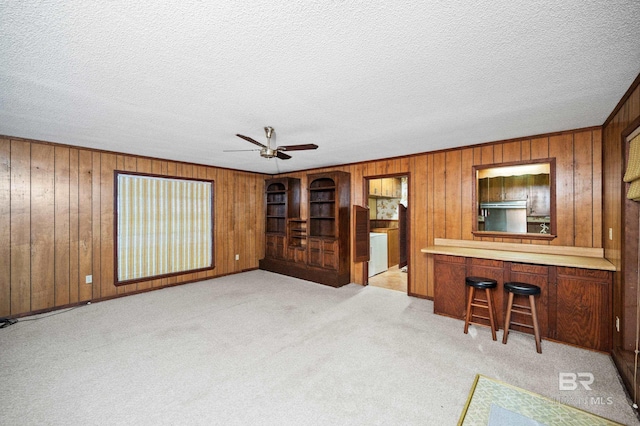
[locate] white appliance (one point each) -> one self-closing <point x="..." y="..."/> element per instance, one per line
<point x="377" y="253"/>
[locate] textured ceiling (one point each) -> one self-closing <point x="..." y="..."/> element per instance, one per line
<point x="362" y="79"/>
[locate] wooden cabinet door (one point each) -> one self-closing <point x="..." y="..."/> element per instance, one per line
<point x="315" y="252"/>
<point x="495" y="189"/>
<point x="375" y="187"/>
<point x="583" y="315"/>
<point x="274" y="246"/>
<point x="539" y="195"/>
<point x="449" y="286"/>
<point x="536" y="275"/>
<point x="515" y="187"/>
<point x="397" y="183"/>
<point x="324" y="253"/>
<point x="493" y="269"/>
<point x="387" y="187"/>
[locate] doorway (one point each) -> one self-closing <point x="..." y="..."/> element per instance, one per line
<point x="388" y="202"/>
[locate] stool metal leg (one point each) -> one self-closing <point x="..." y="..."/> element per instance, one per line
<point x="468" y="315"/>
<point x="507" y="320"/>
<point x="492" y="320"/>
<point x="536" y="330"/>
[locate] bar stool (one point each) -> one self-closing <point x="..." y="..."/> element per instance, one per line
<point x="522" y="289"/>
<point x="486" y="284"/>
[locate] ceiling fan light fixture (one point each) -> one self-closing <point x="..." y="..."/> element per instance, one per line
<point x="266" y="151"/>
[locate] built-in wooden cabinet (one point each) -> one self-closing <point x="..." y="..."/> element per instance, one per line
<point x="282" y="201"/>
<point x="533" y="188"/>
<point x="583" y="314"/>
<point x="315" y="248"/>
<point x="450" y="294"/>
<point x="385" y="188"/>
<point x="573" y="306"/>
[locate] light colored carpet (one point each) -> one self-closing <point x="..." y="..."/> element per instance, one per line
<point x="262" y="348"/>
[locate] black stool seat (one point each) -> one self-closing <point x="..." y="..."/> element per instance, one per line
<point x="522" y="288"/>
<point x="481" y="283"/>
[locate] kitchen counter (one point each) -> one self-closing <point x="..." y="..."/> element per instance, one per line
<point x="574" y="257"/>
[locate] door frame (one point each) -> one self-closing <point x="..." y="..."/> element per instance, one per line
<point x="365" y="195"/>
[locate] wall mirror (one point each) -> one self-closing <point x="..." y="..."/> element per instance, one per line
<point x="515" y="200"/>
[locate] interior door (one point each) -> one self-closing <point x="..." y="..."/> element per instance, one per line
<point x="361" y="238"/>
<point x="403" y="234"/>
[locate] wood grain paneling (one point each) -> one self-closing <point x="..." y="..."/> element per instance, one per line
<point x="85" y="223"/>
<point x="56" y="215"/>
<point x="74" y="226"/>
<point x="621" y="217"/>
<point x="5" y="227"/>
<point x="441" y="201"/>
<point x="42" y="227"/>
<point x="20" y="227"/>
<point x="61" y="226"/>
<point x="439" y="194"/>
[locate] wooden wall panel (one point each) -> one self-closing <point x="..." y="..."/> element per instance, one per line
<point x="583" y="183"/>
<point x="62" y="246"/>
<point x="42" y="227"/>
<point x="20" y="227"/>
<point x="5" y="228"/>
<point x="452" y="194"/>
<point x="621" y="248"/>
<point x="85" y="223"/>
<point x="466" y="195"/>
<point x="561" y="148"/>
<point x="74" y="226"/>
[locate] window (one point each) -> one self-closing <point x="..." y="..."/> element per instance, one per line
<point x="164" y="226"/>
<point x="512" y="199"/>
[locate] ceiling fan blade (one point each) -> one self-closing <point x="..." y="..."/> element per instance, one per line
<point x="253" y="141"/>
<point x="282" y="156"/>
<point x="239" y="150"/>
<point x="298" y="147"/>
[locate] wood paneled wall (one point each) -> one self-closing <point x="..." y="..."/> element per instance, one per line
<point x="56" y="218"/>
<point x="56" y="223"/>
<point x="440" y="197"/>
<point x="618" y="212"/>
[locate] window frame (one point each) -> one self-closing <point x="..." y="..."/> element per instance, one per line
<point x="524" y="235"/>
<point x="211" y="234"/>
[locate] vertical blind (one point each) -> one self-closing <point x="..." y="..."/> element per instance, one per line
<point x="164" y="226"/>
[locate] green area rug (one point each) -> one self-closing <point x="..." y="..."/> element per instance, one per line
<point x="494" y="403"/>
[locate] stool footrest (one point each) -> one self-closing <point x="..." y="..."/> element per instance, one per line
<point x="521" y="325"/>
<point x="518" y="311"/>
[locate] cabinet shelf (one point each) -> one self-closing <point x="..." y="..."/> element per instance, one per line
<point x="315" y="248"/>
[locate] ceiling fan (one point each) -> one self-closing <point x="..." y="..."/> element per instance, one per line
<point x="267" y="151"/>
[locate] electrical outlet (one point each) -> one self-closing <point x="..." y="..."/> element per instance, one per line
<point x="611" y="234"/>
<point x="88" y="279"/>
<point x="618" y="324"/>
<point x="237" y="257"/>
